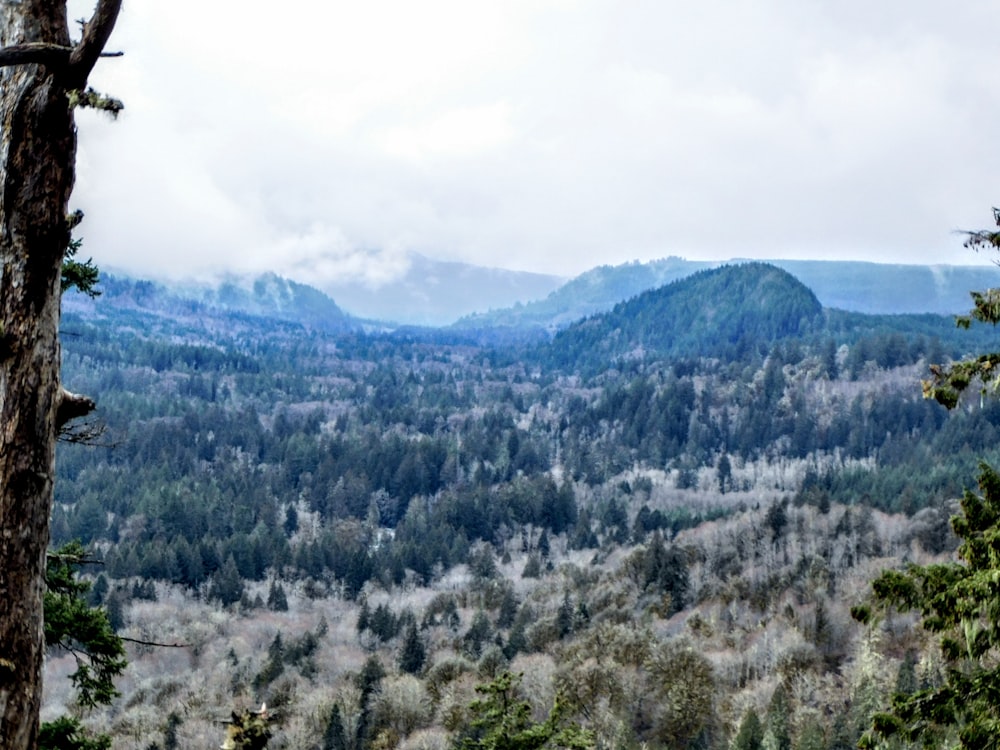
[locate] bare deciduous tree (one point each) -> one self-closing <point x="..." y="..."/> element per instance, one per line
<point x="43" y="75"/>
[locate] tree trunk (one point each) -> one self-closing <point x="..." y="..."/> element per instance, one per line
<point x="37" y="160"/>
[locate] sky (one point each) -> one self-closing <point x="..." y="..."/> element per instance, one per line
<point x="329" y="140"/>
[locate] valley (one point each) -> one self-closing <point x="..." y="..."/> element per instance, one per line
<point x="660" y="514"/>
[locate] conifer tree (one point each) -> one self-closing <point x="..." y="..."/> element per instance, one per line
<point x="413" y="654"/>
<point x="751" y="733"/>
<point x="777" y="733"/>
<point x="503" y="722"/>
<point x="71" y="623"/>
<point x="334" y="736"/>
<point x="959" y="601"/>
<point x="276" y="599"/>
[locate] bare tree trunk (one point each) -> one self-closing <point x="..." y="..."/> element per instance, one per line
<point x="37" y="161"/>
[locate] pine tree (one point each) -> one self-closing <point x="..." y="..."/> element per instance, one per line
<point x="751" y="733"/>
<point x="86" y="632"/>
<point x="227" y="585"/>
<point x="503" y="722"/>
<point x="413" y="654"/>
<point x="564" y="617"/>
<point x="276" y="599"/>
<point x="334" y="736"/>
<point x="777" y="732"/>
<point x="959" y="603"/>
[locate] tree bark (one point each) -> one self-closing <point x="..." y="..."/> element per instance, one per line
<point x="37" y="171"/>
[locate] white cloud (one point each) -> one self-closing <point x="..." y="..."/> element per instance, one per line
<point x="536" y="134"/>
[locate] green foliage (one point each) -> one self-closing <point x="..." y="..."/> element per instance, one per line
<point x="73" y="625"/>
<point x="960" y="602"/>
<point x="777" y="729"/>
<point x="84" y="276"/>
<point x="948" y="382"/>
<point x="248" y="730"/>
<point x="502" y="721"/>
<point x="277" y="601"/>
<point x="66" y="733"/>
<point x="751" y="733"/>
<point x="728" y="311"/>
<point x="334" y="736"/>
<point x="413" y="653"/>
<point x="90" y="99"/>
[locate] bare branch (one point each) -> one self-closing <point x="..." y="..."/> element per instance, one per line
<point x="73" y="559"/>
<point x="96" y="33"/>
<point x="92" y="432"/>
<point x="40" y="53"/>
<point x="140" y="642"/>
<point x="35" y="53"/>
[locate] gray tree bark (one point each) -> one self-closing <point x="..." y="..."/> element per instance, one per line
<point x="40" y="67"/>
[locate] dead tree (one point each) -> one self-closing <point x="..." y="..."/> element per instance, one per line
<point x="43" y="78"/>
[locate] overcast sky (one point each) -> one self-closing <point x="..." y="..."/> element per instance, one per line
<point x="329" y="139"/>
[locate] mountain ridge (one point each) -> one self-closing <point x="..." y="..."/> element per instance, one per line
<point x="846" y="285"/>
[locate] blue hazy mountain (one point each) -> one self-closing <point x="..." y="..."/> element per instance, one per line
<point x="873" y="288"/>
<point x="267" y="296"/>
<point x="437" y="293"/>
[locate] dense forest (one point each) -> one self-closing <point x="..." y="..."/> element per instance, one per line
<point x="660" y="515"/>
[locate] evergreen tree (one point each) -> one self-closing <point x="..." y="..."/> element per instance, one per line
<point x="502" y="721"/>
<point x="958" y="600"/>
<point x="777" y="732"/>
<point x="364" y="617"/>
<point x="73" y="625"/>
<point x="751" y="733"/>
<point x="724" y="474"/>
<point x="291" y="524"/>
<point x="544" y="547"/>
<point x="508" y="608"/>
<point x="170" y="741"/>
<point x="811" y="736"/>
<point x="276" y="599"/>
<point x="413" y="653"/>
<point x="227" y="585"/>
<point x="367" y="682"/>
<point x="478" y="633"/>
<point x="564" y="617"/>
<point x="959" y="603"/>
<point x="948" y="382"/>
<point x="334" y="736"/>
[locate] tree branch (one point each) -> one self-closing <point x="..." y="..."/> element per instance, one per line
<point x="73" y="559"/>
<point x="141" y="642"/>
<point x="96" y="33"/>
<point x="35" y="52"/>
<point x="72" y="406"/>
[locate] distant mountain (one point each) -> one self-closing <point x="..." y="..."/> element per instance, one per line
<point x="266" y="296"/>
<point x="713" y="312"/>
<point x="847" y="285"/>
<point x="591" y="292"/>
<point x="882" y="288"/>
<point x="437" y="293"/>
<point x="493" y="301"/>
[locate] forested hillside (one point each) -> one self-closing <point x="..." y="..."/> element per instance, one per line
<point x="872" y="288"/>
<point x="662" y="515"/>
